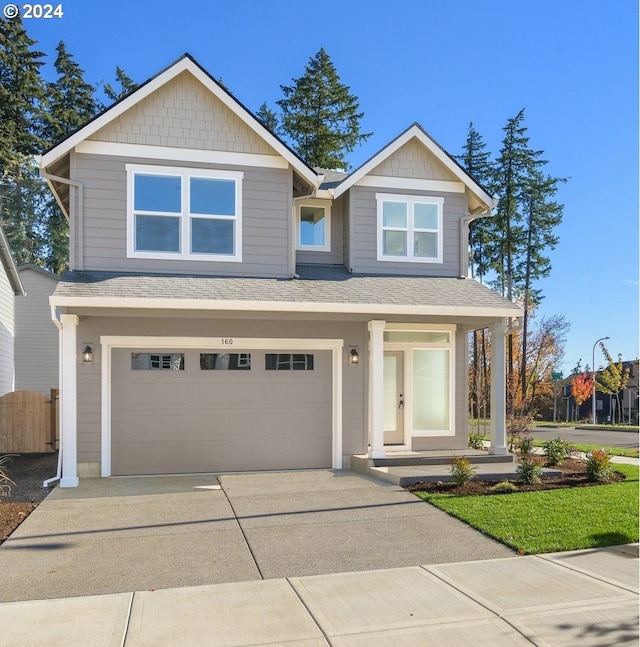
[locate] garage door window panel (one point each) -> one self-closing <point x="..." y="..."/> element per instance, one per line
<point x="157" y="361"/>
<point x="288" y="362"/>
<point x="225" y="361"/>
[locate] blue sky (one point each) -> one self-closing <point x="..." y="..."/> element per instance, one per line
<point x="572" y="64"/>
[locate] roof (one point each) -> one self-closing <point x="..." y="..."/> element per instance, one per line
<point x="40" y="270"/>
<point x="6" y="259"/>
<point x="185" y="63"/>
<point x="319" y="289"/>
<point x="484" y="201"/>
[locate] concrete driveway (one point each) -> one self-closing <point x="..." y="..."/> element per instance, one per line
<point x="146" y="533"/>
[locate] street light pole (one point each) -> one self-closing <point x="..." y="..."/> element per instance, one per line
<point x="593" y="375"/>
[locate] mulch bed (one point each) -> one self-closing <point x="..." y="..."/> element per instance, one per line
<point x="573" y="475"/>
<point x="27" y="471"/>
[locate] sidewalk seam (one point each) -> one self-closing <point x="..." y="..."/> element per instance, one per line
<point x="244" y="536"/>
<point x="308" y="610"/>
<point x="128" y="622"/>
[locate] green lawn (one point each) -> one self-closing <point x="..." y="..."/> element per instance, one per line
<point x="613" y="451"/>
<point x="552" y="520"/>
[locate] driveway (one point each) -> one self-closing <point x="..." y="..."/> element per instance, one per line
<point x="146" y="533"/>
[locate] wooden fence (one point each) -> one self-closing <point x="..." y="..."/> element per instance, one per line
<point x="29" y="422"/>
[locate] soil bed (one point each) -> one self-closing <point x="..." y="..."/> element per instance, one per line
<point x="27" y="471"/>
<point x="573" y="475"/>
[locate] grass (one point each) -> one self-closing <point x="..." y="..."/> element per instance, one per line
<point x="614" y="451"/>
<point x="552" y="520"/>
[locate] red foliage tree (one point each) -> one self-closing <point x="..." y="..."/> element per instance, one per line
<point x="582" y="387"/>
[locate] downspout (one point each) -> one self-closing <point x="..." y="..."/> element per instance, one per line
<point x="79" y="220"/>
<point x="58" y="325"/>
<point x="464" y="243"/>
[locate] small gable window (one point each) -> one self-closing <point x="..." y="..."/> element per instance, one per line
<point x="409" y="228"/>
<point x="314" y="227"/>
<point x="178" y="213"/>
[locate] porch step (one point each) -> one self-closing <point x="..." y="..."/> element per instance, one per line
<point x="439" y="457"/>
<point x="404" y="475"/>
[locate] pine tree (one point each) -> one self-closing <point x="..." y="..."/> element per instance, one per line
<point x="127" y="85"/>
<point x="320" y="117"/>
<point x="21" y="93"/>
<point x="268" y="118"/>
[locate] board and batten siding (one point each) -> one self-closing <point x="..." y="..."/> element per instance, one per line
<point x="266" y="220"/>
<point x="7" y="332"/>
<point x="36" y="343"/>
<point x="365" y="235"/>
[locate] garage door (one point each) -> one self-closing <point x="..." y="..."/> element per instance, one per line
<point x="184" y="411"/>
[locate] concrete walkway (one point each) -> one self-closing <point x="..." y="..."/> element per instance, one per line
<point x="563" y="599"/>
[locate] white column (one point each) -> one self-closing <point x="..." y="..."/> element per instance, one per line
<point x="69" y="401"/>
<point x="498" y="390"/>
<point x="376" y="389"/>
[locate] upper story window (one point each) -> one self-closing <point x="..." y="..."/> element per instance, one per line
<point x="178" y="213"/>
<point x="314" y="226"/>
<point x="409" y="228"/>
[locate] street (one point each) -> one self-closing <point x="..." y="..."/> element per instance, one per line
<point x="611" y="438"/>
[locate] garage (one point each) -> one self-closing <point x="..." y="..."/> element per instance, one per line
<point x="185" y="410"/>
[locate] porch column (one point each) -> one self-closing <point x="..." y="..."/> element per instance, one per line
<point x="498" y="390"/>
<point x="69" y="401"/>
<point x="376" y="389"/>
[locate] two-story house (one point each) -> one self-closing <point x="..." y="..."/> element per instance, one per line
<point x="230" y="308"/>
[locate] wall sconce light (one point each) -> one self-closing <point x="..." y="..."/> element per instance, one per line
<point x="355" y="358"/>
<point x="87" y="354"/>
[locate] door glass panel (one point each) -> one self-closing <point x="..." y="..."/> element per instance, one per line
<point x="390" y="392"/>
<point x="430" y="389"/>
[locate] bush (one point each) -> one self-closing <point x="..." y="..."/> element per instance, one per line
<point x="529" y="472"/>
<point x="476" y="440"/>
<point x="504" y="487"/>
<point x="462" y="471"/>
<point x="557" y="451"/>
<point x="517" y="428"/>
<point x="599" y="466"/>
<point x="526" y="446"/>
<point x="5" y="481"/>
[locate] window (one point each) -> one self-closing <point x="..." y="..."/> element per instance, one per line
<point x="314" y="227"/>
<point x="225" y="361"/>
<point x="177" y="213"/>
<point x="157" y="361"/>
<point x="288" y="362"/>
<point x="409" y="228"/>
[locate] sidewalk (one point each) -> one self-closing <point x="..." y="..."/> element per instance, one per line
<point x="587" y="597"/>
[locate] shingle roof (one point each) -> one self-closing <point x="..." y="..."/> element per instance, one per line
<point x="328" y="286"/>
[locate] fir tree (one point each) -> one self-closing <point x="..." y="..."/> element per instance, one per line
<point x="320" y="117"/>
<point x="127" y="85"/>
<point x="267" y="117"/>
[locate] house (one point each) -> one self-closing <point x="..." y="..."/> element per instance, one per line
<point x="37" y="340"/>
<point x="230" y="308"/>
<point x="10" y="287"/>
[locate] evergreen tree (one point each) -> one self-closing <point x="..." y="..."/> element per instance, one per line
<point x="320" y="117"/>
<point x="21" y="93"/>
<point x="127" y="84"/>
<point x="268" y="118"/>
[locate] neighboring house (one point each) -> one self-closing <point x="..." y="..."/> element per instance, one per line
<point x="37" y="340"/>
<point x="10" y="287"/>
<point x="242" y="311"/>
<point x="605" y="403"/>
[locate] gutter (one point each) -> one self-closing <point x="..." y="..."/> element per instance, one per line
<point x="58" y="325"/>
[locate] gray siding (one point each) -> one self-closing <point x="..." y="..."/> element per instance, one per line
<point x="266" y="221"/>
<point x="7" y="332"/>
<point x="334" y="256"/>
<point x="364" y="227"/>
<point x="36" y="344"/>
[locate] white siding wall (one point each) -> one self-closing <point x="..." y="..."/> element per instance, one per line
<point x="7" y="332"/>
<point x="36" y="343"/>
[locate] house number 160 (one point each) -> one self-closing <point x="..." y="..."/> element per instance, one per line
<point x="226" y="341"/>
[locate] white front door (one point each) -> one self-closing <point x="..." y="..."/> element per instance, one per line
<point x="393" y="397"/>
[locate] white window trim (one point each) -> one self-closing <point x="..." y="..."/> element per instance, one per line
<point x="327" y="232"/>
<point x="185" y="217"/>
<point x="410" y="200"/>
<point x="408" y="348"/>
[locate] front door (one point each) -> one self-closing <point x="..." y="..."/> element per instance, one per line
<point x="393" y="397"/>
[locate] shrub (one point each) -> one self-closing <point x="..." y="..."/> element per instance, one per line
<point x="462" y="471"/>
<point x="529" y="472"/>
<point x="526" y="446"/>
<point x="599" y="466"/>
<point x="5" y="481"/>
<point x="517" y="428"/>
<point x="557" y="451"/>
<point x="504" y="487"/>
<point x="476" y="440"/>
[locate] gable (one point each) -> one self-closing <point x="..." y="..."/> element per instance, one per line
<point x="183" y="113"/>
<point x="413" y="160"/>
